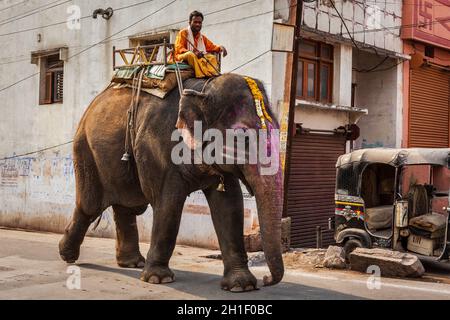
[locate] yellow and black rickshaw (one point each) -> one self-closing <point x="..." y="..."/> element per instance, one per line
<point x="394" y="198"/>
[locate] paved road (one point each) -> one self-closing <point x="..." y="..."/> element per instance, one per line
<point x="30" y="268"/>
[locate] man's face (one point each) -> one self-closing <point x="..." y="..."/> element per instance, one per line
<point x="196" y="24"/>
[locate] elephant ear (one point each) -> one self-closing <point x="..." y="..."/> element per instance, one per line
<point x="193" y="107"/>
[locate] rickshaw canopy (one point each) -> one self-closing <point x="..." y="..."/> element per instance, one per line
<point x="398" y="157"/>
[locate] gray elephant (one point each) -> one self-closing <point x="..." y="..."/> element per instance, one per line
<point x="103" y="180"/>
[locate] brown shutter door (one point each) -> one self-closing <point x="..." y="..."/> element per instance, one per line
<point x="46" y="97"/>
<point x="311" y="186"/>
<point x="429" y="108"/>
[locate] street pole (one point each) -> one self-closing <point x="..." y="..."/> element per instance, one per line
<point x="293" y="96"/>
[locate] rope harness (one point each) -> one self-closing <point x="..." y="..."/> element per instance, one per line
<point x="130" y="134"/>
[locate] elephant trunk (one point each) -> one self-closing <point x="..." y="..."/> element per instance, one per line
<point x="268" y="193"/>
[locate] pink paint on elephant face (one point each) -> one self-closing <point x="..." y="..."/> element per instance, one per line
<point x="188" y="138"/>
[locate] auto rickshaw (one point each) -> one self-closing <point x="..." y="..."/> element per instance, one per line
<point x="396" y="199"/>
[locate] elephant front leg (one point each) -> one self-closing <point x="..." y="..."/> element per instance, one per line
<point x="166" y="223"/>
<point x="227" y="210"/>
<point x="127" y="243"/>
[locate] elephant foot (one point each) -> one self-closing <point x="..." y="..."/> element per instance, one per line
<point x="67" y="252"/>
<point x="157" y="275"/>
<point x="135" y="261"/>
<point x="239" y="281"/>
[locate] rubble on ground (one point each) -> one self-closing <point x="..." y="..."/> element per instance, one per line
<point x="391" y="263"/>
<point x="256" y="259"/>
<point x="253" y="241"/>
<point x="292" y="259"/>
<point x="335" y="258"/>
<point x="304" y="257"/>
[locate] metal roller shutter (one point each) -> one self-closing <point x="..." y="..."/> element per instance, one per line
<point x="429" y="108"/>
<point x="310" y="196"/>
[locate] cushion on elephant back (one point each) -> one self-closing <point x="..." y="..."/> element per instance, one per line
<point x="125" y="75"/>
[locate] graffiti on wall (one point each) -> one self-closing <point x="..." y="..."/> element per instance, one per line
<point x="45" y="176"/>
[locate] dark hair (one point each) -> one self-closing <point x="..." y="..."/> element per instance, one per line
<point x="195" y="14"/>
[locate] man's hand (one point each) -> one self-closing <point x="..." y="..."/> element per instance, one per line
<point x="223" y="51"/>
<point x="198" y="53"/>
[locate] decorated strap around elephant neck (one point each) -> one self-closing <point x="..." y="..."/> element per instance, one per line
<point x="259" y="102"/>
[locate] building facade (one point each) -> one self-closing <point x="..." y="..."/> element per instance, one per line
<point x="349" y="96"/>
<point x="426" y="85"/>
<point x="427" y="75"/>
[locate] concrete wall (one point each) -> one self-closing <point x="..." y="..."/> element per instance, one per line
<point x="369" y="22"/>
<point x="37" y="191"/>
<point x="381" y="93"/>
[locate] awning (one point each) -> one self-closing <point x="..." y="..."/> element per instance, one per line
<point x="398" y="157"/>
<point x="62" y="51"/>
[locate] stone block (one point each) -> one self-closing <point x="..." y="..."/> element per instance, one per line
<point x="391" y="263"/>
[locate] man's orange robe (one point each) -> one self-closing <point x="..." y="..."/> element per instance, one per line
<point x="201" y="66"/>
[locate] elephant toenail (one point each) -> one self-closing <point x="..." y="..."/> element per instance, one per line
<point x="249" y="288"/>
<point x="155" y="280"/>
<point x="143" y="278"/>
<point x="237" y="289"/>
<point x="167" y="280"/>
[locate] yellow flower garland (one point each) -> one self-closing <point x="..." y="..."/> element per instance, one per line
<point x="259" y="102"/>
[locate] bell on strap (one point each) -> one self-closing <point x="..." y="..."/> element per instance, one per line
<point x="126" y="157"/>
<point x="221" y="186"/>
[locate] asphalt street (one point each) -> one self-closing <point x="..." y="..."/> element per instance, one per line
<point x="30" y="268"/>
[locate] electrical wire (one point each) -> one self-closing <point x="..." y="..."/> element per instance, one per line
<point x="65" y="21"/>
<point x="255" y="58"/>
<point x="13" y="5"/>
<point x="37" y="151"/>
<point x="404" y="26"/>
<point x="128" y="27"/>
<point x="374" y="67"/>
<point x="32" y="12"/>
<point x="343" y="22"/>
<point x="12" y="62"/>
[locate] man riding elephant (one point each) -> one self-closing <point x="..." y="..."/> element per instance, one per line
<point x="152" y="177"/>
<point x="192" y="47"/>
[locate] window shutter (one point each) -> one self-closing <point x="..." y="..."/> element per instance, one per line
<point x="48" y="89"/>
<point x="59" y="86"/>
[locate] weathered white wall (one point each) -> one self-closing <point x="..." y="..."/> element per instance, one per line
<point x="37" y="191"/>
<point x="381" y="93"/>
<point x="315" y="118"/>
<point x="370" y="22"/>
<point x="342" y="77"/>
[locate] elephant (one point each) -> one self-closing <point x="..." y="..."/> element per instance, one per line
<point x="151" y="178"/>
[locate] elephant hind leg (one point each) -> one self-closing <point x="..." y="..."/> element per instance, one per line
<point x="127" y="243"/>
<point x="69" y="246"/>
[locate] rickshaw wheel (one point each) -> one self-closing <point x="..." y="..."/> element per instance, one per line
<point x="351" y="245"/>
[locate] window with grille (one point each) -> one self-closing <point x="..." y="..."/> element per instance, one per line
<point x="315" y="71"/>
<point x="52" y="80"/>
